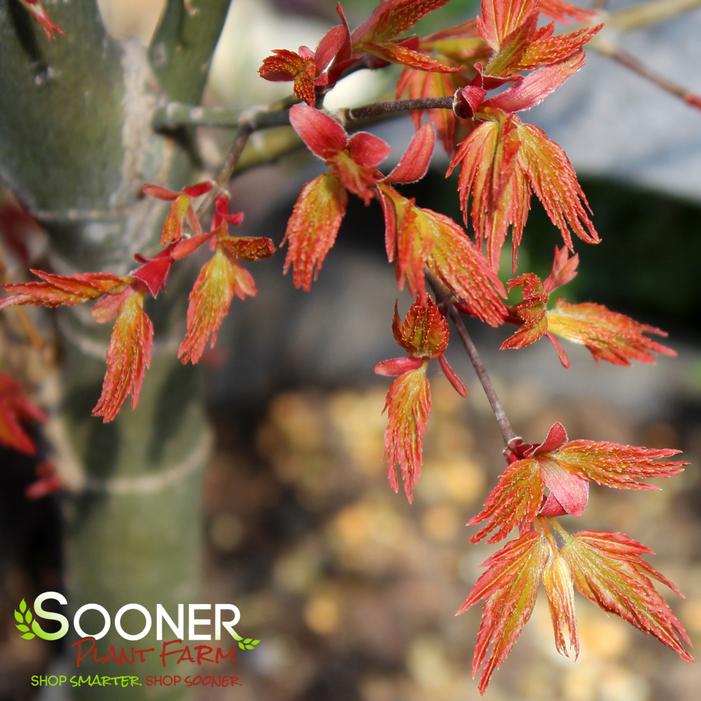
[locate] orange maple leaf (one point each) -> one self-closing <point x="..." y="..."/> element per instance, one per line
<point x="313" y="226"/>
<point x="607" y="335"/>
<point x="297" y="66"/>
<point x="607" y="569"/>
<point x="62" y="290"/>
<point x="424" y="334"/>
<point x="181" y="210"/>
<point x="380" y="34"/>
<point x="220" y="279"/>
<point x="418" y="238"/>
<point x="510" y="28"/>
<point x="509" y="588"/>
<point x="408" y="405"/>
<point x="128" y="354"/>
<point x="565" y="467"/>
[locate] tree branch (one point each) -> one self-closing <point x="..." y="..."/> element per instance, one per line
<point x="606" y="48"/>
<point x="257" y="119"/>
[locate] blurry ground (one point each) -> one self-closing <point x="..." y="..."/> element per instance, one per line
<point x="353" y="591"/>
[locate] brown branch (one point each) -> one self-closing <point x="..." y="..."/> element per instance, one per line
<point x="379" y="109"/>
<point x="278" y="116"/>
<point x="611" y="51"/>
<point x="502" y="419"/>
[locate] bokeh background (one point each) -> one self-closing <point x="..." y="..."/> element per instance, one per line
<point x="351" y="589"/>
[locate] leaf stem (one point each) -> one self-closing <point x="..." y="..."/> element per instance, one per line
<point x="502" y="419"/>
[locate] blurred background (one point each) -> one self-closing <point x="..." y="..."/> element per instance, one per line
<point x="352" y="590"/>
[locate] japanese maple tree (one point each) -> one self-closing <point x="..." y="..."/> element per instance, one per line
<point x="468" y="86"/>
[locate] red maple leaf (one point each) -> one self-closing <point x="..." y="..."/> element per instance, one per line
<point x="608" y="335"/>
<point x="16" y="409"/>
<point x="504" y="161"/>
<point x="509" y="588"/>
<point x="353" y="162"/>
<point x="128" y="354"/>
<point x="41" y="16"/>
<point x="381" y="34"/>
<point x="220" y="279"/>
<point x="181" y="211"/>
<point x="607" y="569"/>
<point x="307" y="69"/>
<point x="424" y="335"/>
<point x="510" y="28"/>
<point x="565" y="468"/>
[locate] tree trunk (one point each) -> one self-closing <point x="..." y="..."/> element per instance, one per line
<point x="76" y="144"/>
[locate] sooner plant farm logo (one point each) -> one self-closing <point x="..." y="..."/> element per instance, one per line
<point x="182" y="634"/>
<point x="26" y="621"/>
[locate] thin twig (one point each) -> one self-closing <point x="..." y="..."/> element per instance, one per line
<point x="378" y="109"/>
<point x="631" y="63"/>
<point x="648" y="13"/>
<point x="502" y="419"/>
<point x="265" y="118"/>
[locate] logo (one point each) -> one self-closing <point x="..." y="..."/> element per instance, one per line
<point x="192" y="622"/>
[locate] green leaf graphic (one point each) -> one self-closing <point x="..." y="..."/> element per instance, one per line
<point x="24" y="617"/>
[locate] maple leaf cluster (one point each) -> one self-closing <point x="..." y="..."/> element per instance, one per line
<point x="121" y="299"/>
<point x="490" y="70"/>
<point x="495" y="67"/>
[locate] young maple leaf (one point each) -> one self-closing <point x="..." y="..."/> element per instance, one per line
<point x="607" y="569"/>
<point x="41" y="16"/>
<point x="558" y="585"/>
<point x="181" y="210"/>
<point x="408" y="405"/>
<point x="313" y="226"/>
<point x="607" y="335"/>
<point x="220" y="279"/>
<point x="418" y="238"/>
<point x="380" y="34"/>
<point x="509" y="588"/>
<point x="352" y="159"/>
<point x="565" y="468"/>
<point x="424" y="334"/>
<point x="510" y="28"/>
<point x="321" y="204"/>
<point x="529" y="313"/>
<point x="16" y="409"/>
<point x="62" y="290"/>
<point x="129" y="351"/>
<point x="307" y="69"/>
<point x="564" y="11"/>
<point x="504" y="161"/>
